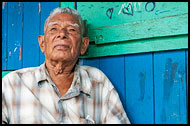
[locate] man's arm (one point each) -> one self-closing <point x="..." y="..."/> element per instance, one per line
<point x="115" y="111"/>
<point x="4" y="111"/>
<point x="4" y="103"/>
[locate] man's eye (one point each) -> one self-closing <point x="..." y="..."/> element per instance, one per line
<point x="72" y="29"/>
<point x="53" y="29"/>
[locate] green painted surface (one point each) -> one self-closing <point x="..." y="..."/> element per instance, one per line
<point x="117" y="28"/>
<point x="68" y="4"/>
<point x="167" y="26"/>
<point x="5" y="73"/>
<point x="137" y="46"/>
<point x="101" y="14"/>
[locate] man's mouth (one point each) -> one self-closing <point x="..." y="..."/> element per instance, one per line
<point x="61" y="46"/>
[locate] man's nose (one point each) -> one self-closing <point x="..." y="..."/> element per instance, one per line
<point x="62" y="34"/>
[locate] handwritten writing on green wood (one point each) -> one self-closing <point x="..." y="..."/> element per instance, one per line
<point x="102" y="15"/>
<point x="166" y="26"/>
<point x="134" y="27"/>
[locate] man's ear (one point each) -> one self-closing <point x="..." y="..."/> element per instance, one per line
<point x="41" y="43"/>
<point x="85" y="43"/>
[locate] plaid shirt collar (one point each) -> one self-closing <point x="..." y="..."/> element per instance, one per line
<point x="80" y="83"/>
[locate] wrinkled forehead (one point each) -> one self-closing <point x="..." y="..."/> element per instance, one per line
<point x="58" y="23"/>
<point x="62" y="18"/>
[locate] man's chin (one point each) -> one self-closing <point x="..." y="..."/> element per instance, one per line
<point x="60" y="59"/>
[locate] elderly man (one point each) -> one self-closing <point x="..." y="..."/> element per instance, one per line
<point x="60" y="91"/>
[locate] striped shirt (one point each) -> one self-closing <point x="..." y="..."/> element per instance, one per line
<point x="30" y="96"/>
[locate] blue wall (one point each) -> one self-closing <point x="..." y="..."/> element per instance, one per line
<point x="152" y="86"/>
<point x="22" y="22"/>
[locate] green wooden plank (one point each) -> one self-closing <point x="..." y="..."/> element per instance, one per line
<point x="133" y="11"/>
<point x="166" y="26"/>
<point x="5" y="73"/>
<point x="117" y="13"/>
<point x="137" y="46"/>
<point x="68" y="4"/>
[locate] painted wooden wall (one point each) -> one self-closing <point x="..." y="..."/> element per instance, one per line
<point x="142" y="48"/>
<point x="152" y="86"/>
<point x="22" y="22"/>
<point x="118" y="28"/>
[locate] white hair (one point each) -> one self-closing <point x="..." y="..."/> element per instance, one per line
<point x="69" y="11"/>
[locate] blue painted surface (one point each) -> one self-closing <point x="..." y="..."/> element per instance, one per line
<point x="46" y="8"/>
<point x="188" y="119"/>
<point x="170" y="87"/>
<point x="4" y="36"/>
<point x="14" y="41"/>
<point x="153" y="87"/>
<point x="139" y="88"/>
<point x="30" y="34"/>
<point x="113" y="67"/>
<point x="94" y="62"/>
<point x="187" y="69"/>
<point x="22" y="22"/>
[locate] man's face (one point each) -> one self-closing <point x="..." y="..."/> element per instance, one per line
<point x="62" y="38"/>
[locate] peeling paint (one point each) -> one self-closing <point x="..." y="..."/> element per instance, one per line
<point x="181" y="72"/>
<point x="9" y="53"/>
<point x="142" y="76"/>
<point x="181" y="80"/>
<point x="3" y="5"/>
<point x="15" y="49"/>
<point x="39" y="5"/>
<point x="20" y="54"/>
<point x="169" y="78"/>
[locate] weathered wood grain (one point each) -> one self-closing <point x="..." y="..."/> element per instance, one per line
<point x="15" y="34"/>
<point x="170" y="87"/>
<point x="46" y="9"/>
<point x="139" y="88"/>
<point x="4" y="35"/>
<point x="137" y="46"/>
<point x="166" y="26"/>
<point x="67" y="4"/>
<point x="31" y="25"/>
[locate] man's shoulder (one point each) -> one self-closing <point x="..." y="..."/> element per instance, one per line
<point x="23" y="71"/>
<point x="92" y="72"/>
<point x="16" y="75"/>
<point x="95" y="74"/>
<point x="90" y="69"/>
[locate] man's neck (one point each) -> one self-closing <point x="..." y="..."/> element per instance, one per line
<point x="58" y="68"/>
<point x="61" y="73"/>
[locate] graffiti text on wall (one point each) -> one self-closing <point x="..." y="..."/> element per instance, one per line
<point x="130" y="7"/>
